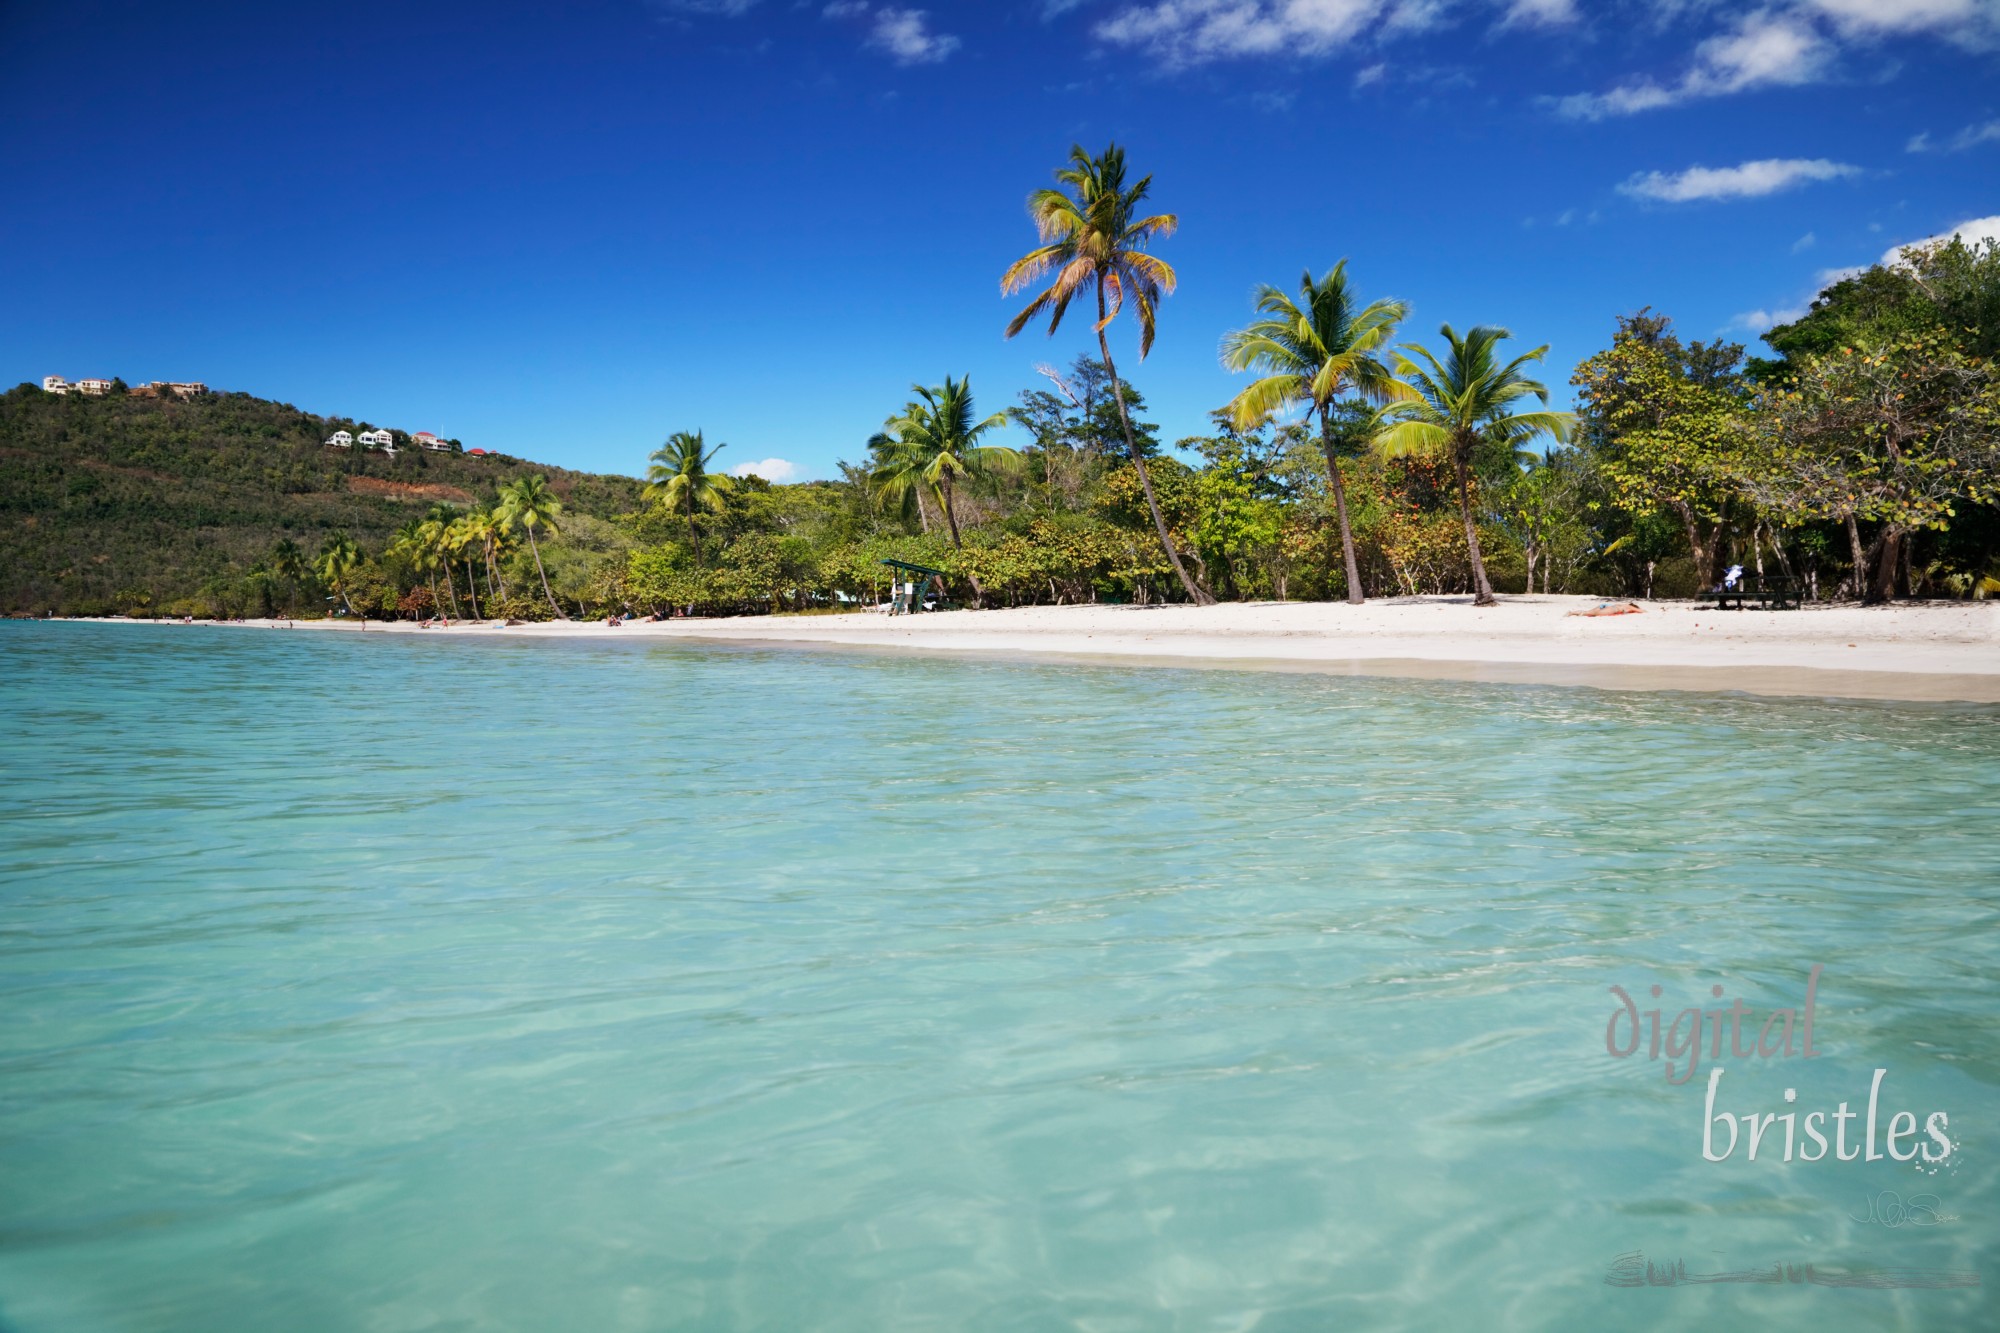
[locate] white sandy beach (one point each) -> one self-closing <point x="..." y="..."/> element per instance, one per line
<point x="1940" y="651"/>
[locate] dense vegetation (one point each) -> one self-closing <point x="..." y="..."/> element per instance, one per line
<point x="1862" y="459"/>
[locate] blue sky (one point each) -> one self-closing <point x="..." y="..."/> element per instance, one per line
<point x="566" y="231"/>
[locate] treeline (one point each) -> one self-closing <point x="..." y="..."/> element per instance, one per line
<point x="1860" y="460"/>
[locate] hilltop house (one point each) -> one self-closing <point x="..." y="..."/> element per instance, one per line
<point x="377" y="439"/>
<point x="95" y="388"/>
<point x="54" y="384"/>
<point x="341" y="439"/>
<point x="423" y="439"/>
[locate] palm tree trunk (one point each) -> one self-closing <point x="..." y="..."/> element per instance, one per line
<point x="1482" y="590"/>
<point x="534" y="546"/>
<point x="1355" y="596"/>
<point x="471" y="588"/>
<point x="1195" y="593"/>
<point x="450" y="590"/>
<point x="694" y="537"/>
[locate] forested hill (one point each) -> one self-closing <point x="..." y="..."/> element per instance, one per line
<point x="122" y="501"/>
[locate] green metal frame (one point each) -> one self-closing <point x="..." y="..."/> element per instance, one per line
<point x="916" y="603"/>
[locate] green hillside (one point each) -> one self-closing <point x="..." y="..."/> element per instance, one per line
<point x="122" y="503"/>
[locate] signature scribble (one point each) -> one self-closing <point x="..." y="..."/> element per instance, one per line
<point x="1635" y="1270"/>
<point x="1892" y="1210"/>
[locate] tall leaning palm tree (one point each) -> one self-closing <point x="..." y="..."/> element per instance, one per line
<point x="530" y="503"/>
<point x="1462" y="402"/>
<point x="1313" y="351"/>
<point x="1094" y="242"/>
<point x="679" y="479"/>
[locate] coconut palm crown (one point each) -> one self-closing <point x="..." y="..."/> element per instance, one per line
<point x="1314" y="350"/>
<point x="1466" y="400"/>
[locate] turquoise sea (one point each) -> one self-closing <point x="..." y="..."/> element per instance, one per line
<point x="402" y="983"/>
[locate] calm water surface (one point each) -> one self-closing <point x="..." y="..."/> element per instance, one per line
<point x="409" y="984"/>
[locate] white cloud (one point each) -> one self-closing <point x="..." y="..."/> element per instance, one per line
<point x="904" y="33"/>
<point x="1763" y="321"/>
<point x="1373" y="74"/>
<point x="1191" y="31"/>
<point x="1973" y="232"/>
<point x="1766" y="49"/>
<point x="726" y="8"/>
<point x="1804" y="243"/>
<point x="1961" y="20"/>
<point x="1969" y="137"/>
<point x="1540" y="13"/>
<point x="770" y="469"/>
<point x="1747" y="181"/>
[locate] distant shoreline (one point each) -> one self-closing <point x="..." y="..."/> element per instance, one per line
<point x="1928" y="652"/>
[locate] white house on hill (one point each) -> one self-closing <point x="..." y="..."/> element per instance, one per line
<point x="95" y="388"/>
<point x="377" y="439"/>
<point x="54" y="384"/>
<point x="341" y="439"/>
<point x="423" y="439"/>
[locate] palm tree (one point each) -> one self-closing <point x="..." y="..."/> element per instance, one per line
<point x="288" y="562"/>
<point x="481" y="528"/>
<point x="530" y="503"/>
<point x="1314" y="350"/>
<point x="339" y="557"/>
<point x="1092" y="241"/>
<point x="412" y="543"/>
<point x="679" y="478"/>
<point x="458" y="540"/>
<point x="934" y="443"/>
<point x="1464" y="402"/>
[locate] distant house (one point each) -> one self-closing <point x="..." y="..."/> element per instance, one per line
<point x="187" y="389"/>
<point x="377" y="439"/>
<point x="95" y="388"/>
<point x="340" y="439"/>
<point x="475" y="453"/>
<point x="54" y="384"/>
<point x="423" y="439"/>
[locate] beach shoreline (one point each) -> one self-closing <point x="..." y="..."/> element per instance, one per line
<point x="1921" y="652"/>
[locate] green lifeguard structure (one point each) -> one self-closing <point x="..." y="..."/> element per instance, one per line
<point x="908" y="591"/>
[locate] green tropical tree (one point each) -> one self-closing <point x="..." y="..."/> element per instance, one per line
<point x="1464" y="402"/>
<point x="1094" y="244"/>
<point x="458" y="541"/>
<point x="933" y="444"/>
<point x="481" y="529"/>
<point x="530" y="503"/>
<point x="289" y="563"/>
<point x="412" y="544"/>
<point x="1314" y="350"/>
<point x="679" y="480"/>
<point x="339" y="558"/>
